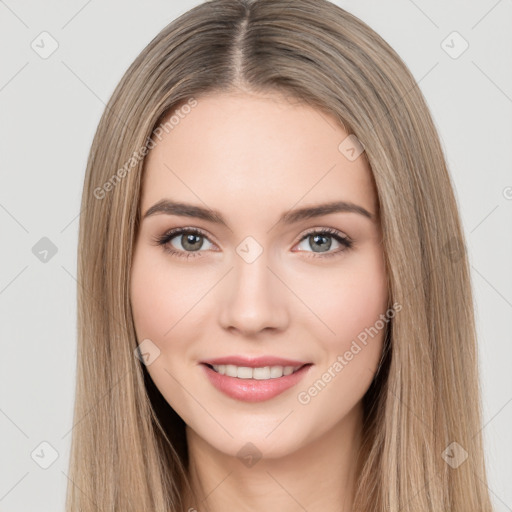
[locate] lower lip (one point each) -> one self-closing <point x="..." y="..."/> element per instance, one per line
<point x="254" y="390"/>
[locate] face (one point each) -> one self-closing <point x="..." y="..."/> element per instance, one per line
<point x="245" y="277"/>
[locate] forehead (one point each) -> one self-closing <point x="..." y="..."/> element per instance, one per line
<point x="239" y="152"/>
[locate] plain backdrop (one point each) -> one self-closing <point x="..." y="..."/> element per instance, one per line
<point x="50" y="107"/>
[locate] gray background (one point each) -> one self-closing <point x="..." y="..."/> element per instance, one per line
<point x="50" y="110"/>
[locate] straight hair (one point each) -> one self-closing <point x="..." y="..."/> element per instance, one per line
<point x="129" y="447"/>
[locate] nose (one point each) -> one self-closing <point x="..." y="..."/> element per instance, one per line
<point x="253" y="299"/>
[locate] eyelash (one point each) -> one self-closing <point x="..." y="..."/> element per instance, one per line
<point x="164" y="240"/>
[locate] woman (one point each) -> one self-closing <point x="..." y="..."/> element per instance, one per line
<point x="275" y="308"/>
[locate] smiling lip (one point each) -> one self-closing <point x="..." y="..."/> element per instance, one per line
<point x="254" y="390"/>
<point x="255" y="362"/>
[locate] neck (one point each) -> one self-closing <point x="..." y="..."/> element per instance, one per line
<point x="318" y="476"/>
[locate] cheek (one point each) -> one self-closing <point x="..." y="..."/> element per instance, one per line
<point x="347" y="300"/>
<point x="169" y="306"/>
<point x="162" y="295"/>
<point x="152" y="308"/>
<point x="356" y="297"/>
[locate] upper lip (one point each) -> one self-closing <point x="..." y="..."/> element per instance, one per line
<point x="254" y="362"/>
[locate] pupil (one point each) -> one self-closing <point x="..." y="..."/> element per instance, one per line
<point x="189" y="242"/>
<point x="324" y="247"/>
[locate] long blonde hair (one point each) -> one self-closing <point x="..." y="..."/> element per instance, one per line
<point x="129" y="446"/>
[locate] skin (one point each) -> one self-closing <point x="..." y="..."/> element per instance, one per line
<point x="253" y="157"/>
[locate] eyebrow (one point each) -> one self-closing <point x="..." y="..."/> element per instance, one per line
<point x="168" y="207"/>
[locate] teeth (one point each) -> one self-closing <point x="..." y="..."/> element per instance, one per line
<point x="263" y="373"/>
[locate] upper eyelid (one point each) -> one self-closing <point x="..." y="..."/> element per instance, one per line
<point x="172" y="233"/>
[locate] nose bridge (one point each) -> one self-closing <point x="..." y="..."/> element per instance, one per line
<point x="252" y="299"/>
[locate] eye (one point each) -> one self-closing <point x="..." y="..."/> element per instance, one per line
<point x="321" y="239"/>
<point x="188" y="242"/>
<point x="183" y="242"/>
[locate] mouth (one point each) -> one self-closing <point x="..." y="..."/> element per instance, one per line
<point x="253" y="380"/>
